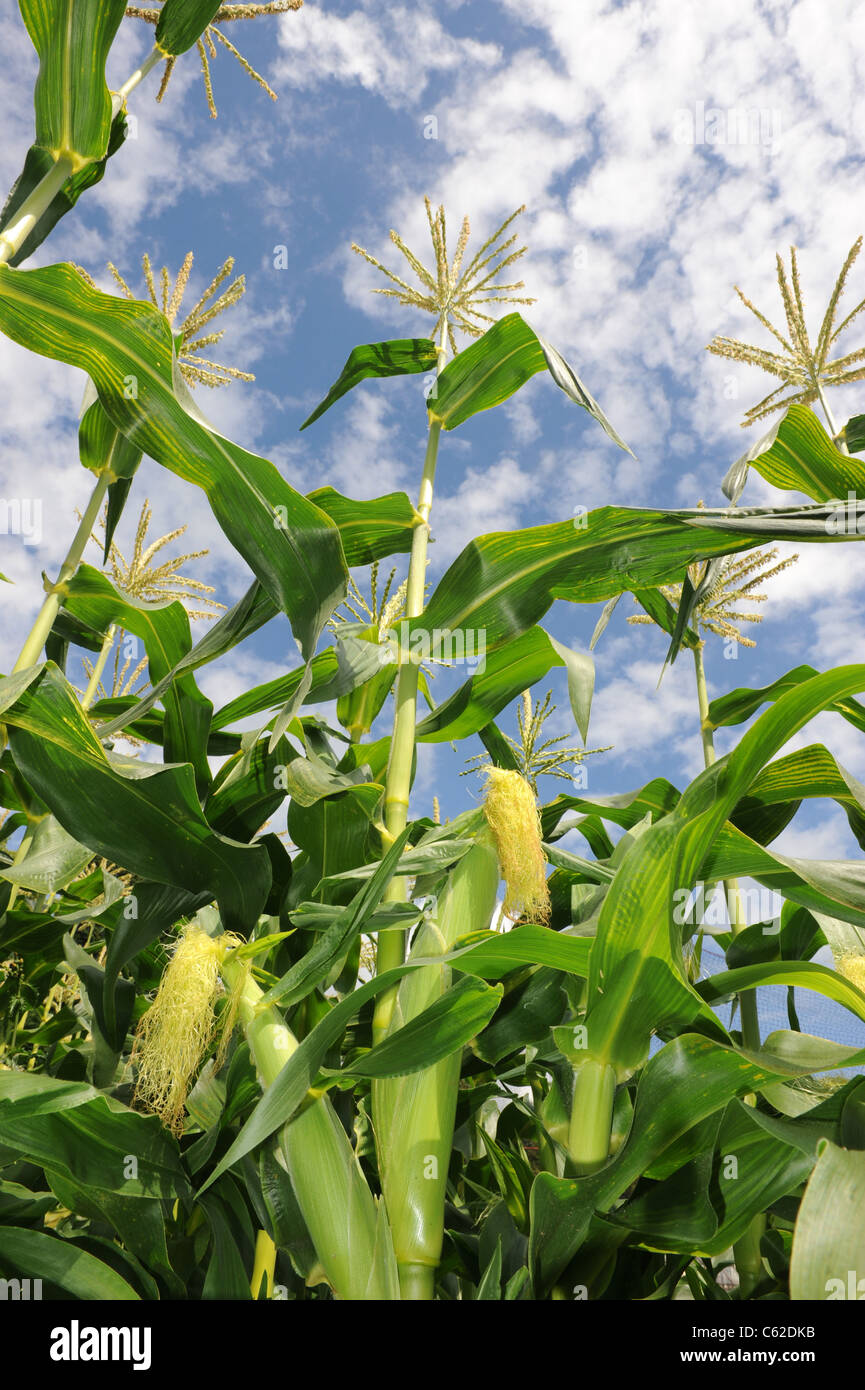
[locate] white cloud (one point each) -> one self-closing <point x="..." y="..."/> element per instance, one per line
<point x="390" y="50"/>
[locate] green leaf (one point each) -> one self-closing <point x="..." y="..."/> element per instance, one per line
<point x="805" y="974"/>
<point x="332" y="944"/>
<point x="247" y="790"/>
<point x="854" y="434"/>
<point x="145" y="817"/>
<point x="438" y="1031"/>
<point x="502" y="584"/>
<point x="829" y="1243"/>
<point x="53" y="860"/>
<point x="164" y="629"/>
<point x="249" y="614"/>
<point x="126" y="347"/>
<point x="740" y="704"/>
<point x="71" y="1128"/>
<point x="801" y="457"/>
<point x="499" y="953"/>
<point x="637" y="980"/>
<point x="182" y="22"/>
<point x="73" y="103"/>
<point x="226" y="1272"/>
<point x="686" y="1081"/>
<point x="140" y="1226"/>
<point x="503" y="675"/>
<point x="62" y="1262"/>
<point x="37" y="164"/>
<point x="825" y="886"/>
<point x="103" y="449"/>
<point x="498" y="364"/>
<point x="334" y="671"/>
<point x="394" y="358"/>
<point x="369" y="530"/>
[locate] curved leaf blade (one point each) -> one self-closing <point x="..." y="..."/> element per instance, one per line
<point x="147" y="818"/>
<point x="126" y="348"/>
<point x="397" y="357"/>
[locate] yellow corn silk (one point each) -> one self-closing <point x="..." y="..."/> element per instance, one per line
<point x="180" y="1025"/>
<point x="512" y="815"/>
<point x="852" y="967"/>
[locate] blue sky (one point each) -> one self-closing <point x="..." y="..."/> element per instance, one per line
<point x="635" y="236"/>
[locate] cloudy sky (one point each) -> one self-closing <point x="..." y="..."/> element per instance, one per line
<point x="663" y="152"/>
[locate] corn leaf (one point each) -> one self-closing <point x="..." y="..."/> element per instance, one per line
<point x="740" y="704"/>
<point x="144" y="817"/>
<point x="804" y="974"/>
<point x="828" y="1247"/>
<point x="801" y="457"/>
<point x="394" y="358"/>
<point x="72" y="1128"/>
<point x="498" y="364"/>
<point x="502" y="584"/>
<point x="62" y="1262"/>
<point x="53" y="860"/>
<point x="637" y="981"/>
<point x="434" y="1034"/>
<point x="164" y="629"/>
<point x="686" y="1081"/>
<point x="501" y="677"/>
<point x="127" y="349"/>
<point x="854" y="434"/>
<point x="73" y="103"/>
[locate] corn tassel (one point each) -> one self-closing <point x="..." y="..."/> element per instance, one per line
<point x="345" y="1223"/>
<point x="413" y="1116"/>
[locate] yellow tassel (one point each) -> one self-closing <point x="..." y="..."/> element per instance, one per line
<point x="513" y="817"/>
<point x="852" y="967"/>
<point x="180" y="1025"/>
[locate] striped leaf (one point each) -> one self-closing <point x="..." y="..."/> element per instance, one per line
<point x="498" y="364"/>
<point x="126" y="348"/>
<point x="73" y="103"/>
<point x="739" y="705"/>
<point x="164" y="629"/>
<point x="799" y="456"/>
<point x="182" y="22"/>
<point x="395" y="358"/>
<point x="502" y="584"/>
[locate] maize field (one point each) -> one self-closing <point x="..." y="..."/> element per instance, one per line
<point x="274" y="1026"/>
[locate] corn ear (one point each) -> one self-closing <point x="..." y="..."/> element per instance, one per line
<point x="413" y="1116"/>
<point x="343" y="1219"/>
<point x="512" y="814"/>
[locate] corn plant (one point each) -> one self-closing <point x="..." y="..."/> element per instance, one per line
<point x="403" y="1059"/>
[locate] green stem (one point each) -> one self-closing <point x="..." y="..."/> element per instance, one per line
<point x="331" y="1191"/>
<point x="96" y="673"/>
<point x="417" y="1282"/>
<point x="391" y="944"/>
<point x="749" y="1261"/>
<point x="32" y="648"/>
<point x="592" y="1116"/>
<point x="139" y="74"/>
<point x="830" y="420"/>
<point x="33" y="208"/>
<point x="738" y="922"/>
